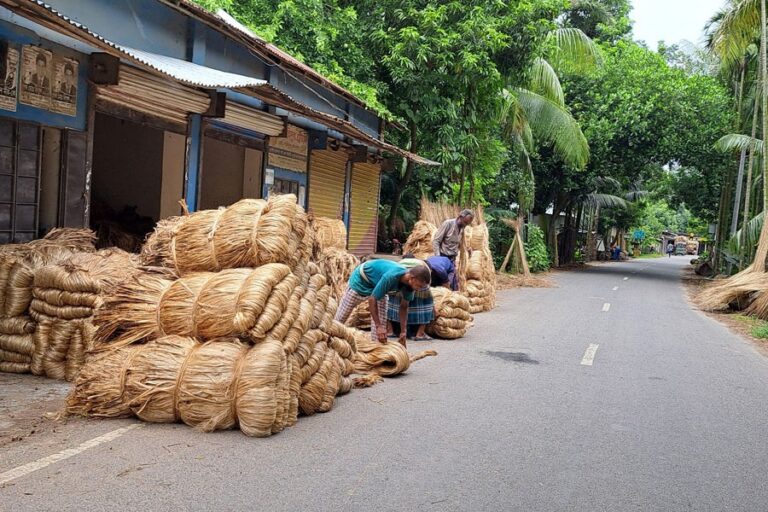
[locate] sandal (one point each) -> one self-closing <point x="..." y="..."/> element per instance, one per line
<point x="426" y="337"/>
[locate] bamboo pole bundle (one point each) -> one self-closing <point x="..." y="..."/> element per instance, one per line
<point x="249" y="233"/>
<point x="453" y="317"/>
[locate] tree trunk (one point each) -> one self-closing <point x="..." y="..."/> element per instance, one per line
<point x="762" y="247"/>
<point x="402" y="184"/>
<point x="739" y="187"/>
<point x="748" y="190"/>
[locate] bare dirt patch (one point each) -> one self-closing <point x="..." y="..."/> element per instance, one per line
<point x="24" y="402"/>
<point x="510" y="281"/>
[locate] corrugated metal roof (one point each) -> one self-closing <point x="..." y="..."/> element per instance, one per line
<point x="198" y="76"/>
<point x="189" y="73"/>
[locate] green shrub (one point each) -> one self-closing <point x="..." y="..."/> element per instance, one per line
<point x="536" y="250"/>
<point x="760" y="331"/>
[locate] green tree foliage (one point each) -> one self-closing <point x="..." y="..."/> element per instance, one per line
<point x="536" y="250"/>
<point x="605" y="20"/>
<point x="640" y="115"/>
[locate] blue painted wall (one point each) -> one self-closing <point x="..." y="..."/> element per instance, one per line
<point x="143" y="24"/>
<point x="17" y="37"/>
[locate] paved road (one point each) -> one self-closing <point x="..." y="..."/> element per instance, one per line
<point x="670" y="415"/>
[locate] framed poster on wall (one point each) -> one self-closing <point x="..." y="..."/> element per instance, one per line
<point x="9" y="90"/>
<point x="36" y="71"/>
<point x="64" y="92"/>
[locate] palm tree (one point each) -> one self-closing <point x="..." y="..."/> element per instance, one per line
<point x="536" y="114"/>
<point x="730" y="40"/>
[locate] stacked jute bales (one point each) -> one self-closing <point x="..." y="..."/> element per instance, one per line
<point x="453" y="317"/>
<point x="249" y="233"/>
<point x="481" y="272"/>
<point x="65" y="298"/>
<point x="251" y="346"/>
<point x="18" y="265"/>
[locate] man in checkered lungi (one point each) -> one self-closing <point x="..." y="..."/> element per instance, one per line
<point x="372" y="281"/>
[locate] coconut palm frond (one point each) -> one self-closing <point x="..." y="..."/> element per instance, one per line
<point x="575" y="51"/>
<point x="544" y="81"/>
<point x="739" y="142"/>
<point x="748" y="238"/>
<point x="604" y="201"/>
<point x="736" y="29"/>
<point x="553" y="124"/>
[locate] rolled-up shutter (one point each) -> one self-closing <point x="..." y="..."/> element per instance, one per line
<point x="253" y="119"/>
<point x="149" y="94"/>
<point x="364" y="208"/>
<point x="327" y="175"/>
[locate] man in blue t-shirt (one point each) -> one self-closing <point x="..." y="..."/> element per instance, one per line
<point x="373" y="280"/>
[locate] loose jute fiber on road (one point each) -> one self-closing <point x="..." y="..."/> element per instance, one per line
<point x="250" y="233"/>
<point x="65" y="298"/>
<point x="453" y="318"/>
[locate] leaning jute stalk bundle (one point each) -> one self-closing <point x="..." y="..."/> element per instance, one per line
<point x="249" y="233"/>
<point x="337" y="265"/>
<point x="453" y="317"/>
<point x="65" y="298"/>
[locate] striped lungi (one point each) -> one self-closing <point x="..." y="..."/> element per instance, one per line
<point x="420" y="309"/>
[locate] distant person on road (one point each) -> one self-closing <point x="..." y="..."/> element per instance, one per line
<point x="670" y="249"/>
<point x="449" y="239"/>
<point x="373" y="280"/>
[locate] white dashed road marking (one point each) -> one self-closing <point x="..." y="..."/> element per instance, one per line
<point x="606" y="307"/>
<point x="18" y="472"/>
<point x="626" y="279"/>
<point x="615" y="288"/>
<point x="589" y="355"/>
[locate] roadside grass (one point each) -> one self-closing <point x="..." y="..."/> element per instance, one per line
<point x="650" y="256"/>
<point x="758" y="328"/>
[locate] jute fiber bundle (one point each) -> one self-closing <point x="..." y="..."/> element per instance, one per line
<point x="386" y="360"/>
<point x="481" y="282"/>
<point x="16" y="344"/>
<point x="419" y="242"/>
<point x="234" y="302"/>
<point x="249" y="233"/>
<point x="453" y="317"/>
<point x="329" y="234"/>
<point x="212" y="386"/>
<point x="360" y="317"/>
<point x="65" y="298"/>
<point x="337" y="265"/>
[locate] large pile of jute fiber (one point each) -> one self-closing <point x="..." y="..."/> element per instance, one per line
<point x="453" y="317"/>
<point x="65" y="298"/>
<point x="220" y="347"/>
<point x="337" y="265"/>
<point x="18" y="264"/>
<point x="250" y="233"/>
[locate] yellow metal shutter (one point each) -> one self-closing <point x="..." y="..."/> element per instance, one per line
<point x="327" y="175"/>
<point x="253" y="119"/>
<point x="158" y="97"/>
<point x="364" y="208"/>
